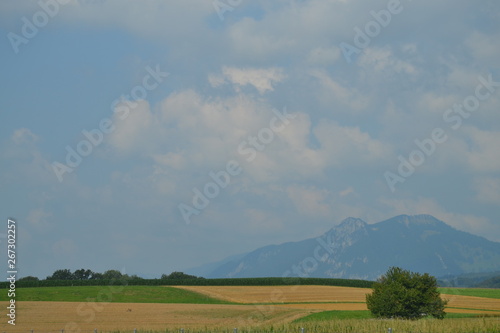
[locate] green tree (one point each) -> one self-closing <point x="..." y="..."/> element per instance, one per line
<point x="29" y="278"/>
<point x="83" y="274"/>
<point x="179" y="276"/>
<point x="61" y="274"/>
<point x="404" y="294"/>
<point x="113" y="274"/>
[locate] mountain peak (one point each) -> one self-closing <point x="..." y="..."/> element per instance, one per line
<point x="354" y="221"/>
<point x="351" y="224"/>
<point x="357" y="250"/>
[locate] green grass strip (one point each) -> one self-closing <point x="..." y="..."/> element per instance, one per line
<point x="115" y="294"/>
<point x="476" y="309"/>
<point x="488" y="293"/>
<point x="365" y="314"/>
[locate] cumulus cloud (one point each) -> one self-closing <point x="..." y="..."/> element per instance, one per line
<point x="347" y="146"/>
<point x="483" y="154"/>
<point x="383" y="60"/>
<point x="310" y="201"/>
<point x="487" y="190"/>
<point x="23" y="135"/>
<point x="333" y="91"/>
<point x="133" y="130"/>
<point x="261" y="79"/>
<point x="323" y="56"/>
<point x="483" y="47"/>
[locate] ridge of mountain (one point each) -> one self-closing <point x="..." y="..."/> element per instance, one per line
<point x="357" y="250"/>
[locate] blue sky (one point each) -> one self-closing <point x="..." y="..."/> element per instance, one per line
<point x="264" y="89"/>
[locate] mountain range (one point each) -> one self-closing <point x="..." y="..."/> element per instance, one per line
<point x="355" y="249"/>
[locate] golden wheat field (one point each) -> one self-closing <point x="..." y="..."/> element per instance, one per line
<point x="261" y="308"/>
<point x="282" y="294"/>
<point x="329" y="297"/>
<point x="75" y="316"/>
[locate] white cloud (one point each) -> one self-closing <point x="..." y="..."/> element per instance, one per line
<point x="133" y="130"/>
<point x="436" y="103"/>
<point x="323" y="56"/>
<point x="24" y="135"/>
<point x="22" y="151"/>
<point x="483" y="154"/>
<point x="333" y="91"/>
<point x="310" y="201"/>
<point x="173" y="160"/>
<point x="348" y="146"/>
<point x="249" y="40"/>
<point x="261" y="79"/>
<point x="488" y="190"/>
<point x="484" y="47"/>
<point x="383" y="60"/>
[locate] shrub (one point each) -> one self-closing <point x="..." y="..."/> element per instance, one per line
<point x="404" y="294"/>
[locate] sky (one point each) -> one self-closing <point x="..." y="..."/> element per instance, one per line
<point x="156" y="136"/>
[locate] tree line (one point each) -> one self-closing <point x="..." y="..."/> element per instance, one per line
<point x="112" y="274"/>
<point x="83" y="277"/>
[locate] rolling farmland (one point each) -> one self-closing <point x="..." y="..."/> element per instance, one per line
<point x="218" y="308"/>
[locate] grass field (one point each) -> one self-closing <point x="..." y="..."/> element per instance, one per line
<point x="488" y="293"/>
<point x="120" y="294"/>
<point x="220" y="309"/>
<point x="361" y="314"/>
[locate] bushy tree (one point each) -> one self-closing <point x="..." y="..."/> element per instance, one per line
<point x="29" y="278"/>
<point x="179" y="276"/>
<point x="83" y="274"/>
<point x="61" y="274"/>
<point x="114" y="274"/>
<point x="404" y="294"/>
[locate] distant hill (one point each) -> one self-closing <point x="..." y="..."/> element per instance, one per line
<point x="357" y="250"/>
<point x="471" y="280"/>
<point x="493" y="282"/>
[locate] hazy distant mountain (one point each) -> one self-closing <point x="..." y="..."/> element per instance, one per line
<point x="355" y="249"/>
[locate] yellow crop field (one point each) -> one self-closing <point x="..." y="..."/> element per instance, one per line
<point x="282" y="294"/>
<point x="74" y="316"/>
<point x="326" y="297"/>
<point x="471" y="302"/>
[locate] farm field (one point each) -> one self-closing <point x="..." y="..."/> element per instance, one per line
<point x="282" y="294"/>
<point x="331" y="297"/>
<point x="216" y="308"/>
